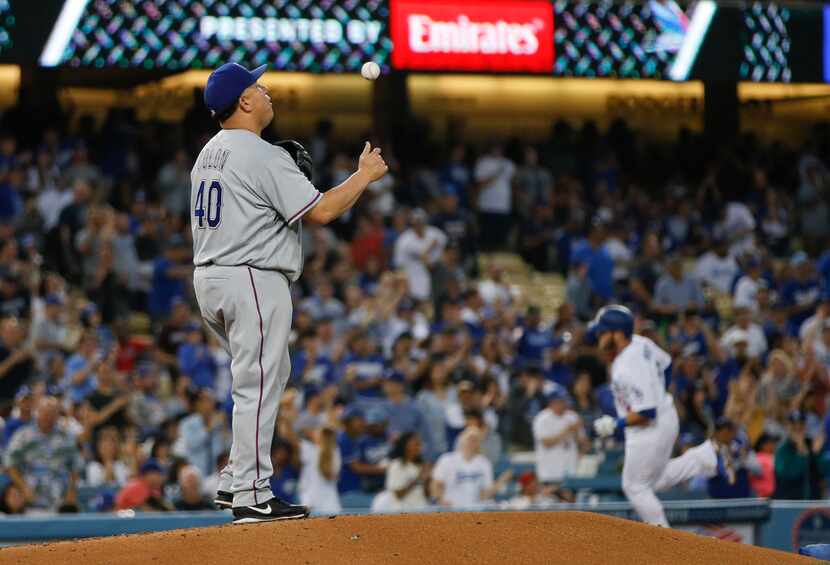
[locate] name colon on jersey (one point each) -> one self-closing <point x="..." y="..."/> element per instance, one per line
<point x="215" y="159"/>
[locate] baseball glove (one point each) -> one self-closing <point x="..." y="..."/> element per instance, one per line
<point x="299" y="154"/>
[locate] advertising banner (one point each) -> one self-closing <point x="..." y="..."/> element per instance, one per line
<point x="473" y="35"/>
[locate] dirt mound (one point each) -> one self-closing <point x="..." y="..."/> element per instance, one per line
<point x="573" y="538"/>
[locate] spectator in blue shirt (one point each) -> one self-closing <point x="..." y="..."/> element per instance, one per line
<point x="525" y="401"/>
<point x="801" y="292"/>
<point x="24" y="402"/>
<point x="169" y="274"/>
<point x="196" y="362"/>
<point x="79" y="379"/>
<point x="14" y="298"/>
<point x="323" y="303"/>
<point x="11" y="205"/>
<point x="91" y="319"/>
<point x="773" y="317"/>
<point x="285" y="480"/>
<point x="692" y="336"/>
<point x="600" y="264"/>
<point x="677" y="291"/>
<point x="362" y="369"/>
<point x="536" y="338"/>
<point x="350" y="443"/>
<point x="309" y="366"/>
<point x="455" y="175"/>
<point x="578" y="289"/>
<point x="374" y="451"/>
<point x="204" y="434"/>
<point x="402" y="413"/>
<point x="823" y="267"/>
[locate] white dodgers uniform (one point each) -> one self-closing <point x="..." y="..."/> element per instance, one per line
<point x="638" y="383"/>
<point x="247" y="197"/>
<point x="464" y="480"/>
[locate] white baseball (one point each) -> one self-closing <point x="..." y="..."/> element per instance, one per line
<point x="370" y="70"/>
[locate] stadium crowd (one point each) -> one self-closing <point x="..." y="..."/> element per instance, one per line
<point x="415" y="373"/>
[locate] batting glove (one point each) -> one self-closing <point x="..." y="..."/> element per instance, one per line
<point x="605" y="426"/>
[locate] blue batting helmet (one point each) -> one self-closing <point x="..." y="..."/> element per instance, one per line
<point x="609" y="319"/>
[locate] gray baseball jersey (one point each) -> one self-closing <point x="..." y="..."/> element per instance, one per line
<point x="247" y="197"/>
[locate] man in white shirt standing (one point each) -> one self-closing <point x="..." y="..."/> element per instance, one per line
<point x="739" y="227"/>
<point x="717" y="268"/>
<point x="745" y="331"/>
<point x="746" y="290"/>
<point x="494" y="201"/>
<point x="464" y="478"/>
<point x="415" y="250"/>
<point x="815" y="328"/>
<point x="557" y="433"/>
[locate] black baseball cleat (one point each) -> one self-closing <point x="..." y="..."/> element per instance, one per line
<point x="274" y="509"/>
<point x="224" y="499"/>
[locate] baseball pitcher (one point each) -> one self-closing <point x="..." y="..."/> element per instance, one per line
<point x="247" y="201"/>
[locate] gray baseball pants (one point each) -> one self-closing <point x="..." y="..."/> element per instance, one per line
<point x="249" y="311"/>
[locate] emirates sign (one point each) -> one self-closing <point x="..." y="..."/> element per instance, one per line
<point x="473" y="35"/>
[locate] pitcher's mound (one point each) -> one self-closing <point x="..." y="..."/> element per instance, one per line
<point x="572" y="538"/>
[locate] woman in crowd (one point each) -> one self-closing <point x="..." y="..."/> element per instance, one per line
<point x="742" y="406"/>
<point x="320" y="468"/>
<point x="406" y="478"/>
<point x="763" y="480"/>
<point x="434" y="403"/>
<point x="585" y="402"/>
<point x="779" y="386"/>
<point x="107" y="468"/>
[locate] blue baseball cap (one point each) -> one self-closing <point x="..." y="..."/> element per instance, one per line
<point x="797" y="416"/>
<point x="395" y="376"/>
<point x="557" y="393"/>
<point x="724" y="422"/>
<point x="351" y="411"/>
<point x="150" y="466"/>
<point x="310" y="391"/>
<point x="799" y="258"/>
<point x="226" y="84"/>
<point x="376" y="415"/>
